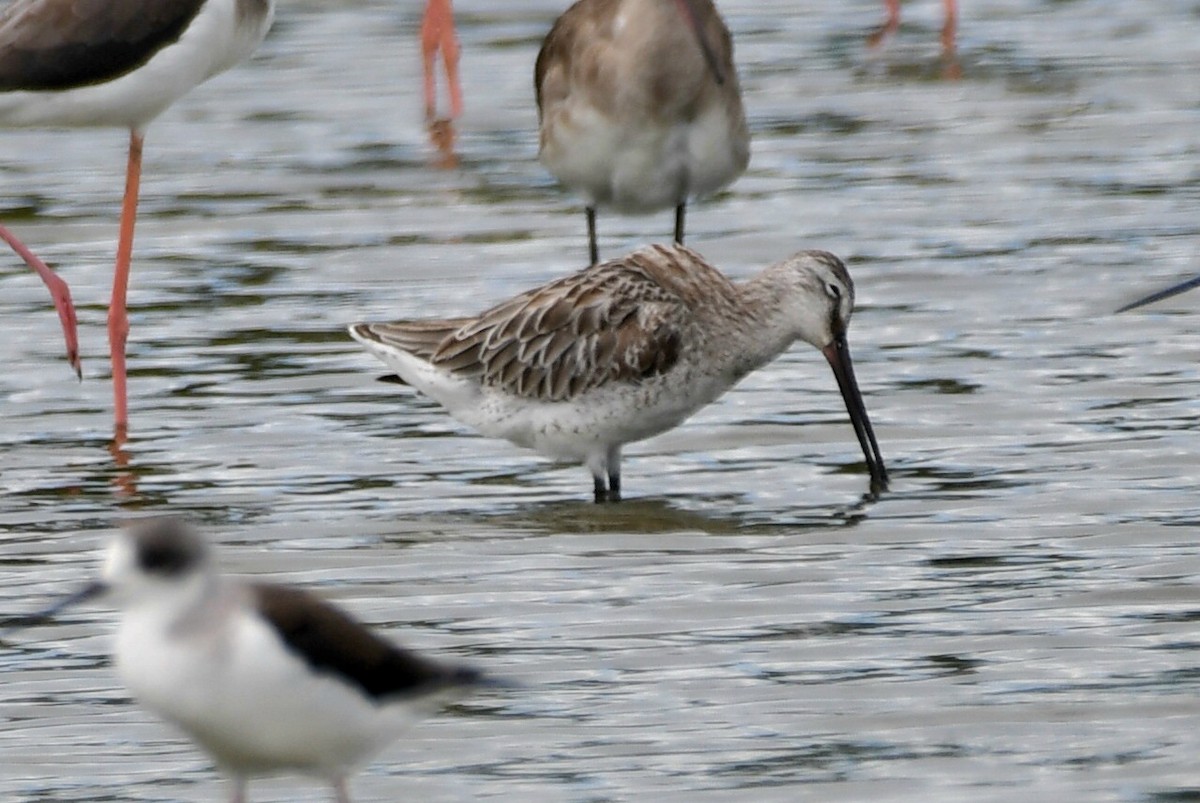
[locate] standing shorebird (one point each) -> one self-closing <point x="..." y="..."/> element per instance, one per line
<point x="624" y="350"/>
<point x="114" y="63"/>
<point x="639" y="106"/>
<point x="266" y="678"/>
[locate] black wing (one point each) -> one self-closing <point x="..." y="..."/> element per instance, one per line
<point x="63" y="44"/>
<point x="330" y="641"/>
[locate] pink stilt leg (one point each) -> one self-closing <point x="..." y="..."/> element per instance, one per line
<point x="950" y="26"/>
<point x="890" y="23"/>
<point x="59" y="293"/>
<point x="437" y="33"/>
<point x="118" y="320"/>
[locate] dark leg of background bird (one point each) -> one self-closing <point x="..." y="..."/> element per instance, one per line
<point x="679" y="210"/>
<point x="593" y="248"/>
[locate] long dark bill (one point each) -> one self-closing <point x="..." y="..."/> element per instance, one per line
<point x="689" y="8"/>
<point x="90" y="591"/>
<point x="1173" y="290"/>
<point x="838" y="355"/>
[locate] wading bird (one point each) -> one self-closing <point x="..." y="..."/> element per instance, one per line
<point x="265" y="678"/>
<point x="116" y="63"/>
<point x="624" y="350"/>
<point x="639" y="106"/>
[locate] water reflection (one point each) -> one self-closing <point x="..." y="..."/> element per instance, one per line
<point x="442" y="139"/>
<point x="124" y="481"/>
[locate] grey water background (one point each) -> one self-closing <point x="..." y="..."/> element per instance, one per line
<point x="1015" y="619"/>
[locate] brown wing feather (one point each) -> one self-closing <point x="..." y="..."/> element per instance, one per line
<point x="418" y="337"/>
<point x="69" y="43"/>
<point x="611" y="323"/>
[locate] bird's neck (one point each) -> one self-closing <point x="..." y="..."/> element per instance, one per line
<point x="763" y="322"/>
<point x="744" y="331"/>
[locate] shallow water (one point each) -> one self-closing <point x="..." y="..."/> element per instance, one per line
<point x="1015" y="618"/>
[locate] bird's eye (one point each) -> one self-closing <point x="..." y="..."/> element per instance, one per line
<point x="834" y="291"/>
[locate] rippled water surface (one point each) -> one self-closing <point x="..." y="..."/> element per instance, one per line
<point x="1015" y="619"/>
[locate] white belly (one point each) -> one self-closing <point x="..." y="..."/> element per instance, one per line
<point x="246" y="700"/>
<point x="642" y="168"/>
<point x="577" y="429"/>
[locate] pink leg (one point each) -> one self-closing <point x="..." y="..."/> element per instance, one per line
<point x="951" y="68"/>
<point x="118" y="320"/>
<point x="890" y="23"/>
<point x="59" y="292"/>
<point x="437" y="32"/>
<point x="950" y="26"/>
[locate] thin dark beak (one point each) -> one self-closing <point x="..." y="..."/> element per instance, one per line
<point x="1173" y="290"/>
<point x="838" y="355"/>
<point x="90" y="591"/>
<point x="688" y="9"/>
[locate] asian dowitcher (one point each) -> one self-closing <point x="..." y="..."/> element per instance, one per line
<point x="624" y="350"/>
